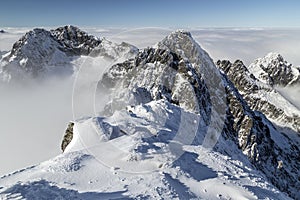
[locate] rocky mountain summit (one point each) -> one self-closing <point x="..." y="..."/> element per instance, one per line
<point x="176" y="114"/>
<point x="274" y="70"/>
<point x="74" y="41"/>
<point x="175" y="71"/>
<point x="261" y="96"/>
<point x="41" y="52"/>
<point x="2" y="31"/>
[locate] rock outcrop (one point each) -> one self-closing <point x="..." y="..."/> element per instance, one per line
<point x="40" y="53"/>
<point x="261" y="96"/>
<point x="68" y="136"/>
<point x="179" y="71"/>
<point x="274" y="70"/>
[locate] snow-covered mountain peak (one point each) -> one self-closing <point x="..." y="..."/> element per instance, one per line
<point x="179" y="39"/>
<point x="75" y="40"/>
<point x="171" y="112"/>
<point x="156" y="74"/>
<point x="261" y="96"/>
<point x="181" y="32"/>
<point x="183" y="44"/>
<point x="273" y="69"/>
<point x="177" y="70"/>
<point x="32" y="53"/>
<point x="274" y="56"/>
<point x="42" y="53"/>
<point x="41" y="43"/>
<point x="30" y="40"/>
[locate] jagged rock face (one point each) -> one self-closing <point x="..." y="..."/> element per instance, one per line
<point x="182" y="43"/>
<point x="180" y="72"/>
<point x="238" y="73"/>
<point x="68" y="136"/>
<point x="257" y="93"/>
<point x="157" y="74"/>
<point x="254" y="134"/>
<point x="40" y="52"/>
<point x="274" y="70"/>
<point x="74" y="41"/>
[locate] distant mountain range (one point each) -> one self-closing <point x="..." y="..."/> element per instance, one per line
<point x="40" y="52"/>
<point x="176" y="126"/>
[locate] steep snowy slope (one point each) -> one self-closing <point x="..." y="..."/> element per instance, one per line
<point x="130" y="156"/>
<point x="174" y="127"/>
<point x="191" y="75"/>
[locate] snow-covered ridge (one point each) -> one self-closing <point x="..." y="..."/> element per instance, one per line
<point x="178" y="67"/>
<point x="173" y="113"/>
<point x="92" y="168"/>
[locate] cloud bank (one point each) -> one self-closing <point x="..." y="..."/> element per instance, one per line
<point x="33" y="118"/>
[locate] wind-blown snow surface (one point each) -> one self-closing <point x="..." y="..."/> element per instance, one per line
<point x="137" y="166"/>
<point x="177" y="179"/>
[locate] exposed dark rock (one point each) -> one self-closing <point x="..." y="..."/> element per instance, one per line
<point x="40" y="52"/>
<point x="158" y="72"/>
<point x="253" y="92"/>
<point x="68" y="136"/>
<point x="274" y="70"/>
<point x="152" y="75"/>
<point x="75" y="41"/>
<point x="252" y="131"/>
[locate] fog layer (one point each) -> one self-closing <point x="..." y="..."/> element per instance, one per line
<point x="33" y="117"/>
<point x="32" y="122"/>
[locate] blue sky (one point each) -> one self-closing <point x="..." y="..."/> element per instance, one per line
<point x="158" y="13"/>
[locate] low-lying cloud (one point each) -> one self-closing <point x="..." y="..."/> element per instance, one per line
<point x="248" y="44"/>
<point x="33" y="117"/>
<point x="292" y="93"/>
<point x="32" y="122"/>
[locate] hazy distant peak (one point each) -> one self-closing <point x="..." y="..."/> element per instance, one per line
<point x="273" y="69"/>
